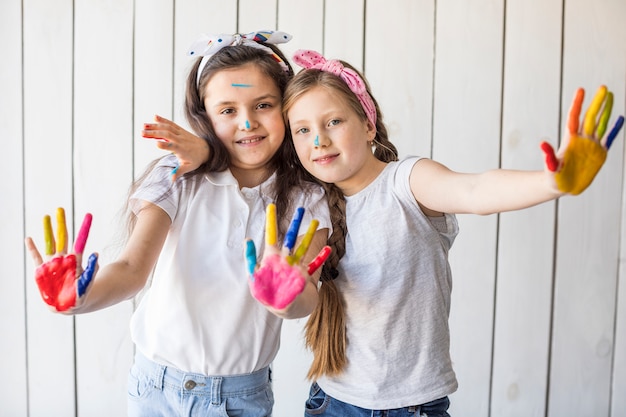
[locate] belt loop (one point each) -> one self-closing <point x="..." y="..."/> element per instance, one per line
<point x="216" y="390"/>
<point x="416" y="410"/>
<point x="159" y="376"/>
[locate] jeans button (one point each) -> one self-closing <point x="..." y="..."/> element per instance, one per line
<point x="190" y="384"/>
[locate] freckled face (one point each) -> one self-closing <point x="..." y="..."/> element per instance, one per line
<point x="331" y="140"/>
<point x="244" y="106"/>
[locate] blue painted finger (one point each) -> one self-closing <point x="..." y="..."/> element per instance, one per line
<point x="292" y="233"/>
<point x="613" y="134"/>
<point x="251" y="256"/>
<point x="85" y="278"/>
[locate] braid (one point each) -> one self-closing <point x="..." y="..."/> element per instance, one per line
<point x="325" y="331"/>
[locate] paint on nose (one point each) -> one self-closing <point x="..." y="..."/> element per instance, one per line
<point x="316" y="142"/>
<point x="247" y="124"/>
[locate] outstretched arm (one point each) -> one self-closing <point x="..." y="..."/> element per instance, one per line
<point x="191" y="150"/>
<point x="570" y="171"/>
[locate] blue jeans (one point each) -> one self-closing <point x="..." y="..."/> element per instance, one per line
<point x="321" y="404"/>
<point x="155" y="390"/>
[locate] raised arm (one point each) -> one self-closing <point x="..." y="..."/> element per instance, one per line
<point x="569" y="171"/>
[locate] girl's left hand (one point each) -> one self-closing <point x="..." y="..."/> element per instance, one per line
<point x="191" y="150"/>
<point x="280" y="277"/>
<point x="581" y="156"/>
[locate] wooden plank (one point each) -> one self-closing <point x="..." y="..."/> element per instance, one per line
<point x="103" y="135"/>
<point x="618" y="401"/>
<point x="291" y="15"/>
<point x="526" y="238"/>
<point x="466" y="138"/>
<point x="48" y="184"/>
<point x="291" y="388"/>
<point x="153" y="74"/>
<point x="12" y="254"/>
<point x="344" y="30"/>
<point x="257" y="15"/>
<point x="399" y="56"/>
<point x="588" y="250"/>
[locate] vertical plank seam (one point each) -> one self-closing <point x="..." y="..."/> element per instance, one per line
<point x="555" y="229"/>
<point x="617" y="300"/>
<point x="24" y="257"/>
<point x="498" y="216"/>
<point x="433" y="75"/>
<point x="73" y="186"/>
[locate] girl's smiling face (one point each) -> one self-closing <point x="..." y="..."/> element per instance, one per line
<point x="244" y="106"/>
<point x="332" y="141"/>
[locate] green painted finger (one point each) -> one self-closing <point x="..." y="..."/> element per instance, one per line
<point x="604" y="118"/>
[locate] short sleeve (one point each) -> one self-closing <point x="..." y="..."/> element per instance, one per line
<point x="157" y="188"/>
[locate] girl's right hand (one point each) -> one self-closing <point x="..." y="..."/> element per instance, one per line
<point x="61" y="280"/>
<point x="191" y="150"/>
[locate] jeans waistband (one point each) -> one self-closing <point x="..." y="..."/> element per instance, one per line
<point x="217" y="387"/>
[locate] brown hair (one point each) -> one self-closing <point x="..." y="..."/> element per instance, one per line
<point x="325" y="330"/>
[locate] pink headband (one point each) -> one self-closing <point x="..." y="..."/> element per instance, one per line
<point x="207" y="45"/>
<point x="308" y="59"/>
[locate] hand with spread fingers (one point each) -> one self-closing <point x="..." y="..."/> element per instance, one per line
<point x="190" y="150"/>
<point x="280" y="277"/>
<point x="61" y="280"/>
<point x="583" y="153"/>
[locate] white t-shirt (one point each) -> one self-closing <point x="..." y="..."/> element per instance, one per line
<point x="396" y="283"/>
<point x="198" y="314"/>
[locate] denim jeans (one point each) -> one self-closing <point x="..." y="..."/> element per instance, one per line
<point x="155" y="390"/>
<point x="321" y="404"/>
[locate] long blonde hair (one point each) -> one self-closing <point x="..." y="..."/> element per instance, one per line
<point x="325" y="330"/>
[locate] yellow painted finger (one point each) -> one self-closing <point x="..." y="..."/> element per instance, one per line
<point x="48" y="237"/>
<point x="270" y="225"/>
<point x="589" y="125"/>
<point x="604" y="118"/>
<point x="304" y="245"/>
<point x="61" y="231"/>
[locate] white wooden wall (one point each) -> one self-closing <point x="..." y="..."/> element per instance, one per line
<point x="538" y="317"/>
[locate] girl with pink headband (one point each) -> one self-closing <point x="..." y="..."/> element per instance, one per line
<point x="379" y="335"/>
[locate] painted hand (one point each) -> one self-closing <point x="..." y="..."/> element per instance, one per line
<point x="582" y="155"/>
<point x="61" y="280"/>
<point x="190" y="150"/>
<point x="280" y="277"/>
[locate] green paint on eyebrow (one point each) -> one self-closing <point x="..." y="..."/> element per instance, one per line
<point x="241" y="85"/>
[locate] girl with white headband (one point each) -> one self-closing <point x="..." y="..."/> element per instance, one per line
<point x="203" y="342"/>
